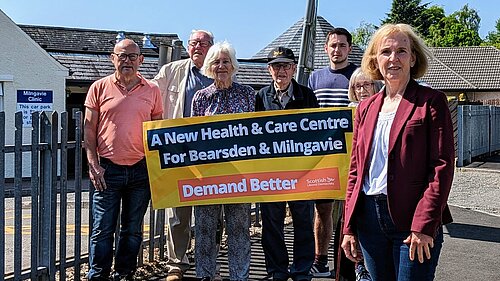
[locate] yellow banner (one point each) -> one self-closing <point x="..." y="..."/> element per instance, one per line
<point x="280" y="155"/>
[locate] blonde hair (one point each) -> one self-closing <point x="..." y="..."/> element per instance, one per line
<point x="420" y="50"/>
<point x="213" y="53"/>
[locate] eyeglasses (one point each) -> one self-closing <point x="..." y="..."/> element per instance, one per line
<point x="278" y="66"/>
<point x="365" y="86"/>
<point x="193" y="43"/>
<point x="123" y="56"/>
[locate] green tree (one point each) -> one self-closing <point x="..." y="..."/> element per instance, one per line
<point x="409" y="12"/>
<point x="362" y="34"/>
<point x="449" y="32"/>
<point x="493" y="37"/>
<point x="430" y="16"/>
<point x="468" y="17"/>
<point x="461" y="28"/>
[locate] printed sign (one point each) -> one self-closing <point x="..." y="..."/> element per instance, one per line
<point x="29" y="101"/>
<point x="249" y="157"/>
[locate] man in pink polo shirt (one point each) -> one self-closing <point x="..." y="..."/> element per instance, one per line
<point x="116" y="107"/>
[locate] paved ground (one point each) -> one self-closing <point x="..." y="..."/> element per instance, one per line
<point x="472" y="242"/>
<point x="257" y="265"/>
<point x="471" y="247"/>
<point x="487" y="163"/>
<point x="470" y="251"/>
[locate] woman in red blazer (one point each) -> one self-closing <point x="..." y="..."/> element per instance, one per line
<point x="402" y="163"/>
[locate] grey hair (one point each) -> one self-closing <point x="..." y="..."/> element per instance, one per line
<point x="358" y="73"/>
<point x="203" y="31"/>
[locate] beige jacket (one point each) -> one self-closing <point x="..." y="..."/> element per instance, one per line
<point x="171" y="79"/>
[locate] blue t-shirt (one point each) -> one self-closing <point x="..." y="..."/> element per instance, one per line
<point x="331" y="86"/>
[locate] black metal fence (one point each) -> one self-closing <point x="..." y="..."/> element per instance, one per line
<point x="40" y="231"/>
<point x="42" y="238"/>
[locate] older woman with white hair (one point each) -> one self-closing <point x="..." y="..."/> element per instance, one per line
<point x="222" y="97"/>
<point x="362" y="87"/>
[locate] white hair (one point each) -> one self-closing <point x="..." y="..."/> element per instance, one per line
<point x="213" y="53"/>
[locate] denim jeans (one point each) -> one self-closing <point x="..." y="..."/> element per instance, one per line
<point x="386" y="256"/>
<point x="128" y="187"/>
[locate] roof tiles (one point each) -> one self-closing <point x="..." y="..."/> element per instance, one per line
<point x="476" y="67"/>
<point x="292" y="37"/>
<point x="85" y="53"/>
<point x="80" y="40"/>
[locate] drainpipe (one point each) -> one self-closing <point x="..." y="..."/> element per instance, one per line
<point x="306" y="55"/>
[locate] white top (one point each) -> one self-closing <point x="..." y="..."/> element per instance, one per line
<point x="375" y="181"/>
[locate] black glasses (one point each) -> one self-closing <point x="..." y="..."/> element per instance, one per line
<point x="123" y="57"/>
<point x="193" y="43"/>
<point x="365" y="86"/>
<point x="277" y="66"/>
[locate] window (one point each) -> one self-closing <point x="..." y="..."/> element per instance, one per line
<point x="4" y="78"/>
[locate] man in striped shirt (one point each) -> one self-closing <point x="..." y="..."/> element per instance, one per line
<point x="330" y="85"/>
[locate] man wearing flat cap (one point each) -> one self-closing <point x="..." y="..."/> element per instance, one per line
<point x="285" y="93"/>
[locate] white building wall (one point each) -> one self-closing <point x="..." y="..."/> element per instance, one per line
<point x="25" y="66"/>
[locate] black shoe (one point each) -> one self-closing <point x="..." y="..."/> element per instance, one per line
<point x="206" y="279"/>
<point x="320" y="270"/>
<point x="99" y="279"/>
<point x="123" y="277"/>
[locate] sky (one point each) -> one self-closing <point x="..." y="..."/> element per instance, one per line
<point x="248" y="24"/>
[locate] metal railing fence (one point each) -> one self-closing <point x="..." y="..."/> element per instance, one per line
<point x="478" y="132"/>
<point x="37" y="234"/>
<point x="42" y="236"/>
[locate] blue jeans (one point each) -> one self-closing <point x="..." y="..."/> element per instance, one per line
<point x="127" y="186"/>
<point x="386" y="256"/>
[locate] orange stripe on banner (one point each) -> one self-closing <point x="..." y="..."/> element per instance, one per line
<point x="272" y="183"/>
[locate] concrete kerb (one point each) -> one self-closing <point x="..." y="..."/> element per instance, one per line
<point x="473" y="210"/>
<point x="483" y="170"/>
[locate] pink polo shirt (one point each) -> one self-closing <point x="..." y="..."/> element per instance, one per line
<point x="121" y="113"/>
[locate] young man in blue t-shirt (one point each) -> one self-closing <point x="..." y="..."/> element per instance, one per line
<point x="330" y="86"/>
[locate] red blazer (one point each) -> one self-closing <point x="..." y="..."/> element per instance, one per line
<point x="421" y="160"/>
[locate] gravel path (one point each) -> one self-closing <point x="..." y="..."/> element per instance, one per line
<point x="476" y="189"/>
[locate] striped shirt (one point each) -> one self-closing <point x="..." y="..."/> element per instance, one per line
<point x="330" y="86"/>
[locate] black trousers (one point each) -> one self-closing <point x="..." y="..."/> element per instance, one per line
<point x="343" y="266"/>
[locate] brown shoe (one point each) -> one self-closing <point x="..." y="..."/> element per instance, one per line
<point x="174" y="275"/>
